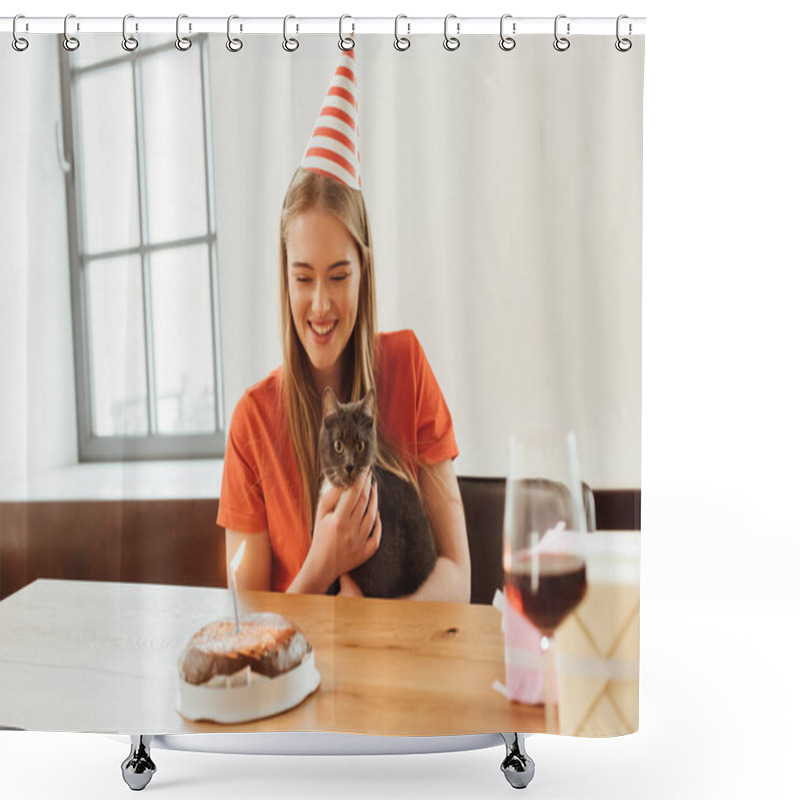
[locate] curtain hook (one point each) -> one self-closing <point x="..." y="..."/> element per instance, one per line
<point x="346" y="42"/>
<point x="561" y="43"/>
<point x="233" y="45"/>
<point x="70" y="42"/>
<point x="181" y="42"/>
<point x="129" y="43"/>
<point x="623" y="45"/>
<point x="451" y="42"/>
<point x="507" y="42"/>
<point x="401" y="42"/>
<point x="18" y="43"/>
<point x="290" y="45"/>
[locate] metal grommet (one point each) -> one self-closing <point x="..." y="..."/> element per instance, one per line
<point x="290" y="45"/>
<point x="346" y="42"/>
<point x="623" y="45"/>
<point x="233" y="45"/>
<point x="70" y="42"/>
<point x="507" y="42"/>
<point x="18" y="42"/>
<point x="401" y="42"/>
<point x="181" y="42"/>
<point x="129" y="43"/>
<point x="451" y="42"/>
<point x="561" y="43"/>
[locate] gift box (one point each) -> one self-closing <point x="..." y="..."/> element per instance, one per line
<point x="597" y="646"/>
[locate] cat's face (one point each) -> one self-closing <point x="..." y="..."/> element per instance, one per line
<point x="347" y="438"/>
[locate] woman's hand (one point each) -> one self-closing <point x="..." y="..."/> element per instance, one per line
<point x="348" y="587"/>
<point x="347" y="531"/>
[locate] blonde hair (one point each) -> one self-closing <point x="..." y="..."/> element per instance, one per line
<point x="310" y="190"/>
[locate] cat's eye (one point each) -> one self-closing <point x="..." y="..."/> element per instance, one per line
<point x="360" y="448"/>
<point x="338" y="446"/>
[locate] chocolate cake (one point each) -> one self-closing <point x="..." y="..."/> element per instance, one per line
<point x="267" y="643"/>
<point x="225" y="676"/>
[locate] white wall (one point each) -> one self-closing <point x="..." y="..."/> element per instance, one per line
<point x="38" y="428"/>
<point x="504" y="192"/>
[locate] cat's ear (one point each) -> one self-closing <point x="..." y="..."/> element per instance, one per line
<point x="368" y="403"/>
<point x="330" y="405"/>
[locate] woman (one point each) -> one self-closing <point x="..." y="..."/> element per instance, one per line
<point x="297" y="542"/>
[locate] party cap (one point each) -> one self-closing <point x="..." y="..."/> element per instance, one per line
<point x="333" y="148"/>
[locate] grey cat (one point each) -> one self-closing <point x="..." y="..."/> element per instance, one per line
<point x="348" y="444"/>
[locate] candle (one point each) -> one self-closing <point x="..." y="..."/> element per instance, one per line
<point x="235" y="561"/>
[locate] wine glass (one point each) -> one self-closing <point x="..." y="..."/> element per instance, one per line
<point x="544" y="527"/>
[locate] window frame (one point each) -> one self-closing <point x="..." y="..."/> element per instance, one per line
<point x="152" y="445"/>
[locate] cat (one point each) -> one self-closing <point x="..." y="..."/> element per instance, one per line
<point x="348" y="445"/>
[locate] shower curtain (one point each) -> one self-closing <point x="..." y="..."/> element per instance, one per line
<point x="164" y="309"/>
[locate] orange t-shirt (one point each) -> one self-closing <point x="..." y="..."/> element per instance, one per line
<point x="261" y="484"/>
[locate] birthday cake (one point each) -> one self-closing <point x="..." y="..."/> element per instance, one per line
<point x="265" y="668"/>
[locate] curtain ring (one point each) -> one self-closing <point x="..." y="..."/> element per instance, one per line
<point x="507" y="42"/>
<point x="451" y="42"/>
<point x="401" y="42"/>
<point x="289" y="45"/>
<point x="70" y="42"/>
<point x="346" y="42"/>
<point x="561" y="43"/>
<point x="623" y="45"/>
<point x="129" y="43"/>
<point x="18" y="43"/>
<point x="233" y="45"/>
<point x="181" y="42"/>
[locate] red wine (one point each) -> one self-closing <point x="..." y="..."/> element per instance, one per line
<point x="561" y="586"/>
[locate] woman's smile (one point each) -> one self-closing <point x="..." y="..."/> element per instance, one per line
<point x="323" y="331"/>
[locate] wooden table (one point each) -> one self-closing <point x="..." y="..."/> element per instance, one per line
<point x="102" y="657"/>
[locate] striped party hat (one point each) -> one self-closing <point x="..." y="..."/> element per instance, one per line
<point x="333" y="148"/>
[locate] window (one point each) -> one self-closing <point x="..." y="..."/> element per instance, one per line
<point x="143" y="251"/>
